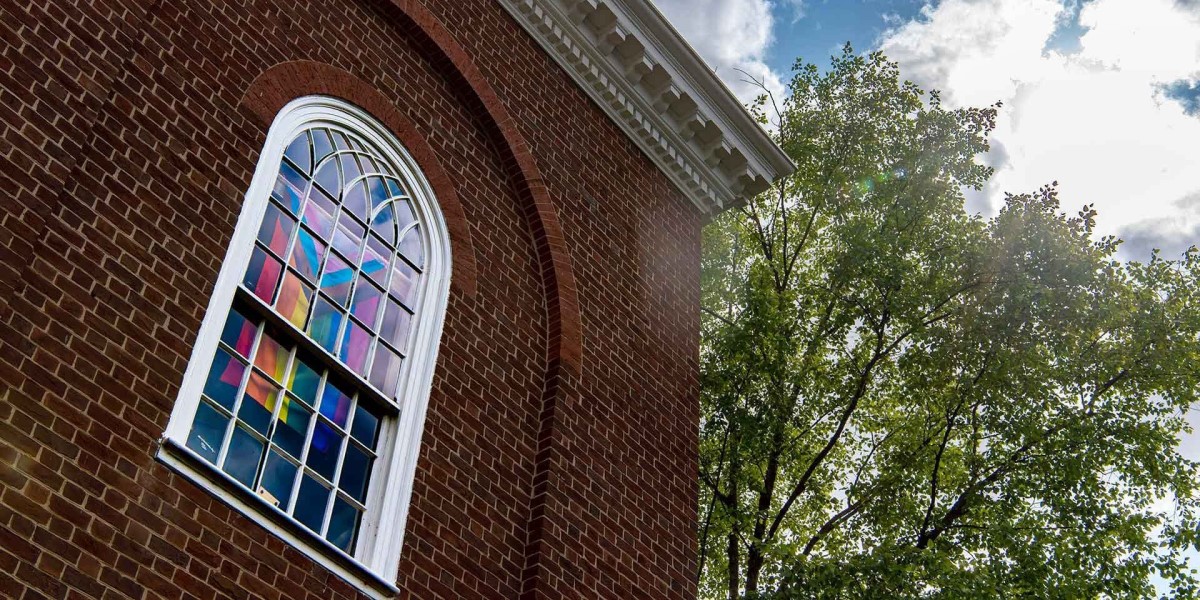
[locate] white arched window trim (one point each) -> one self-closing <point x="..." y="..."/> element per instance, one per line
<point x="374" y="566"/>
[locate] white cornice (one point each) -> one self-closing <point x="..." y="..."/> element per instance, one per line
<point x="641" y="72"/>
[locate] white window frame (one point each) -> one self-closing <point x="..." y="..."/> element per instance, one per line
<point x="374" y="566"/>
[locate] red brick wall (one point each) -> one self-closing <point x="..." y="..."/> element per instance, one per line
<point x="558" y="458"/>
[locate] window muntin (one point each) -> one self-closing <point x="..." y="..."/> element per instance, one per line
<point x="276" y="421"/>
<point x="340" y="239"/>
<point x="337" y="262"/>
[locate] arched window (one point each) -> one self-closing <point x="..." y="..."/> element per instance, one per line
<point x="304" y="399"/>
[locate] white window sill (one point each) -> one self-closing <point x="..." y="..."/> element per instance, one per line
<point x="185" y="462"/>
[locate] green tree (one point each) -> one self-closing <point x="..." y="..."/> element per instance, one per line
<point x="904" y="400"/>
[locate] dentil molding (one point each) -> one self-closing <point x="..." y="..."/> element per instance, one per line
<point x="641" y="72"/>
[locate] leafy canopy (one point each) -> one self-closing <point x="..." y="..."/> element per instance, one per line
<point x="904" y="400"/>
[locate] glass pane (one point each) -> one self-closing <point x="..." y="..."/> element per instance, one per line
<point x="337" y="279"/>
<point x="350" y="169"/>
<point x="276" y="230"/>
<point x="286" y="191"/>
<point x="355" y="347"/>
<point x="323" y="450"/>
<point x="404" y="283"/>
<point x="365" y="427"/>
<point x="289" y="186"/>
<point x="404" y="214"/>
<point x="208" y="431"/>
<point x="335" y="404"/>
<point x="304" y="381"/>
<point x="394" y="188"/>
<point x="349" y="237"/>
<point x="291" y="427"/>
<point x="258" y="403"/>
<point x="297" y="152"/>
<point x="410" y="246"/>
<point x="367" y="297"/>
<point x="224" y="378"/>
<point x="262" y="275"/>
<point x="375" y="260"/>
<point x="278" y="478"/>
<point x="384" y="224"/>
<point x="356" y="470"/>
<point x="238" y="332"/>
<point x="272" y="357"/>
<point x="355" y="200"/>
<point x="318" y="213"/>
<point x="241" y="462"/>
<point x="326" y="321"/>
<point x="328" y="178"/>
<point x="343" y="525"/>
<point x="311" y="503"/>
<point x="380" y="194"/>
<point x="395" y="326"/>
<point x="385" y="372"/>
<point x="295" y="297"/>
<point x="339" y="140"/>
<point x="307" y="254"/>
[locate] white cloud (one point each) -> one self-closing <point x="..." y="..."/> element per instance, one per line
<point x="732" y="36"/>
<point x="1094" y="119"/>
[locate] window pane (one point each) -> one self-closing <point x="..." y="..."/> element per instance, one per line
<point x="367" y="297"/>
<point x="328" y="178"/>
<point x="291" y="427"/>
<point x="239" y="333"/>
<point x="404" y="283"/>
<point x="355" y="346"/>
<point x="318" y="213"/>
<point x="278" y="478"/>
<point x="356" y="470"/>
<point x="323" y="450"/>
<point x="343" y="525"/>
<point x="395" y="325"/>
<point x="307" y="254"/>
<point x="410" y="246"/>
<point x="337" y="279"/>
<point x="335" y="404"/>
<point x="326" y="321"/>
<point x="366" y="426"/>
<point x="385" y="371"/>
<point x="258" y="403"/>
<point x="355" y="200"/>
<point x="241" y="462"/>
<point x="289" y="186"/>
<point x="295" y="298"/>
<point x="304" y="381"/>
<point x="224" y="378"/>
<point x="262" y="275"/>
<point x="384" y="224"/>
<point x="375" y="260"/>
<point x="272" y="357"/>
<point x="297" y="152"/>
<point x="348" y="238"/>
<point x="311" y="503"/>
<point x="208" y="431"/>
<point x="322" y="145"/>
<point x="276" y="230"/>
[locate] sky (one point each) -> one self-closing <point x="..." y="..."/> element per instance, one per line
<point x="1102" y="96"/>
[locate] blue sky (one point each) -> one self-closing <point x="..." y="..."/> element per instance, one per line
<point x="1102" y="96"/>
<point x="817" y="29"/>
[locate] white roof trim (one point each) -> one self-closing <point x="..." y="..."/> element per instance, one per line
<point x="643" y="74"/>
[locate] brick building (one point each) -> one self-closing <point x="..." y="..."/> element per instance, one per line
<point x="355" y="297"/>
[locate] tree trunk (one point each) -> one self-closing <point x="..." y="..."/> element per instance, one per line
<point x="735" y="575"/>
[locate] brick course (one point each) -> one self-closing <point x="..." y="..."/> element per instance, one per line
<point x="558" y="459"/>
